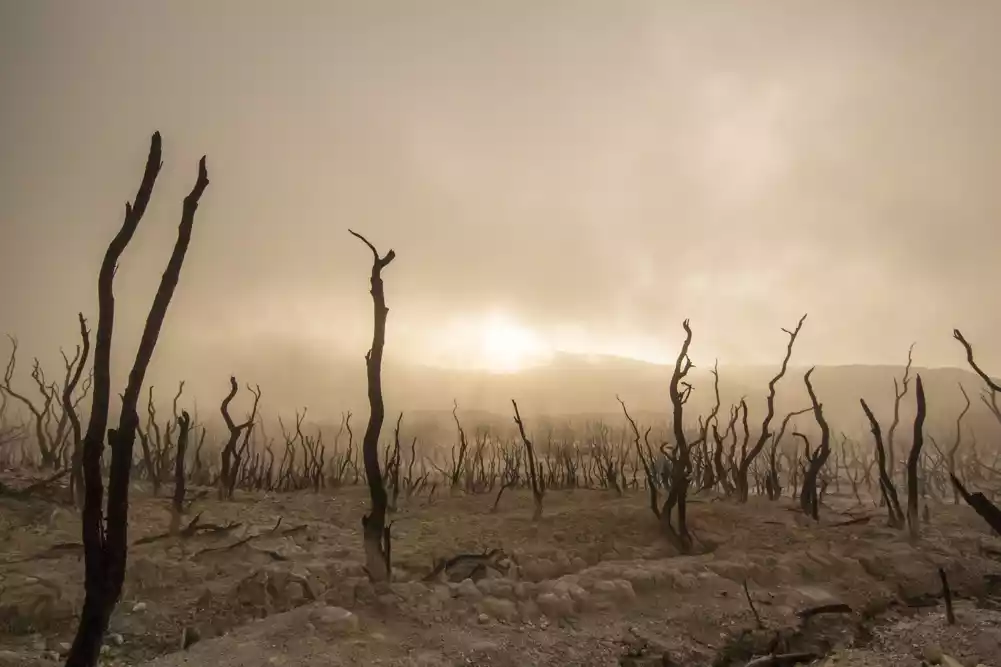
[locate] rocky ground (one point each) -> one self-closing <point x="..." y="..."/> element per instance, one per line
<point x="278" y="580"/>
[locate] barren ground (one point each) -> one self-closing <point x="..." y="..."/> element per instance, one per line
<point x="590" y="584"/>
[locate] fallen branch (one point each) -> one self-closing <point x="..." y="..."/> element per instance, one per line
<point x="782" y="659"/>
<point x="228" y="547"/>
<point x="833" y="608"/>
<point x="750" y="603"/>
<point x="33" y="487"/>
<point x="852" y="522"/>
<point x="987" y="510"/>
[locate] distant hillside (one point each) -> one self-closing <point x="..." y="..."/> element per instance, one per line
<point x="585" y="386"/>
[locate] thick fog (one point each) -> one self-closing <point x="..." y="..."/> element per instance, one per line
<point x="561" y="176"/>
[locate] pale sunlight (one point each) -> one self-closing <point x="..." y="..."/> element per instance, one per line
<point x="494" y="342"/>
<point x="499" y="342"/>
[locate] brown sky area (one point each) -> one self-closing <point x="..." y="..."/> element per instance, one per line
<point x="588" y="172"/>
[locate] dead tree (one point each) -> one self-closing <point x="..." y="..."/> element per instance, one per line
<point x="913" y="521"/>
<point x="747" y="457"/>
<point x="231" y="457"/>
<point x="106" y="548"/>
<point x="393" y="466"/>
<point x="510" y="475"/>
<point x="899" y="392"/>
<point x="978" y="501"/>
<point x="69" y="409"/>
<point x="711" y="423"/>
<point x="773" y="482"/>
<point x="151" y="442"/>
<point x="886" y="486"/>
<point x="957" y="441"/>
<point x="808" y="499"/>
<point x="535" y="477"/>
<point x="458" y="462"/>
<point x="39" y="412"/>
<point x="987" y="510"/>
<point x="376" y="533"/>
<point x="10" y="433"/>
<point x="177" y="504"/>
<point x="990" y="398"/>
<point x="680" y="460"/>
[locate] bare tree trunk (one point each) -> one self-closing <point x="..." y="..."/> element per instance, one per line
<point x="76" y="460"/>
<point x="899" y="392"/>
<point x="375" y="533"/>
<point x="105" y="552"/>
<point x="809" y="501"/>
<point x="886" y="485"/>
<point x="747" y="458"/>
<point x="677" y="496"/>
<point x="177" y="507"/>
<point x="913" y="521"/>
<point x="951" y="458"/>
<point x="534" y="469"/>
<point x="987" y="510"/>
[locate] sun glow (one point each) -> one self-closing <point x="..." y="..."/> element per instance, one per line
<point x="496" y="343"/>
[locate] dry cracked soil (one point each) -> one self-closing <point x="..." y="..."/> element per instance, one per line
<point x="278" y="580"/>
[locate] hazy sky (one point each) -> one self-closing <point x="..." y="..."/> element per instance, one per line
<point x="580" y="174"/>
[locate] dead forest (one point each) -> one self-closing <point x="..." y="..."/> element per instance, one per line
<point x="72" y="443"/>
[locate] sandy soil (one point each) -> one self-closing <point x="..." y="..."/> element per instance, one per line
<point x="592" y="583"/>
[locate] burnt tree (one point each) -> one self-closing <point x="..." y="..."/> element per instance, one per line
<point x="535" y="476"/>
<point x="773" y="483"/>
<point x="913" y="521"/>
<point x="899" y="392"/>
<point x="69" y="409"/>
<point x="747" y="457"/>
<point x="978" y="501"/>
<point x="375" y="533"/>
<point x="106" y="547"/>
<point x="676" y="502"/>
<point x="990" y="397"/>
<point x="951" y="455"/>
<point x="808" y="498"/>
<point x="231" y="456"/>
<point x="177" y="501"/>
<point x="886" y="485"/>
<point x="987" y="510"/>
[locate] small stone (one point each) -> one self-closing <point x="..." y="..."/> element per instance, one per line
<point x="932" y="654"/>
<point x="295" y="593"/>
<point x="500" y="608"/>
<point x="64" y="648"/>
<point x="524" y="590"/>
<point x="483" y="618"/>
<point x="555" y="606"/>
<point x="138" y="607"/>
<point x="105" y="649"/>
<point x="468" y="590"/>
<point x="528" y="610"/>
<point x="116" y="639"/>
<point x="335" y="620"/>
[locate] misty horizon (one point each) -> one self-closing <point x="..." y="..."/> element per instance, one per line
<point x="575" y="178"/>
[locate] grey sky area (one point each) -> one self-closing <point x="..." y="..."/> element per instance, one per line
<point x="574" y="176"/>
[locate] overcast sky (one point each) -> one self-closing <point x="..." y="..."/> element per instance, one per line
<point x="594" y="171"/>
